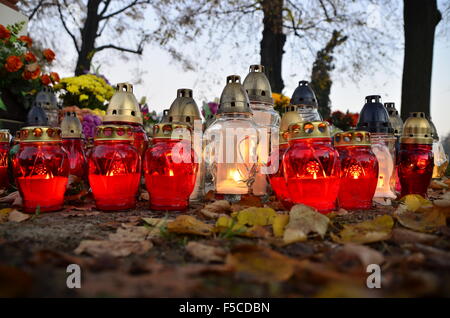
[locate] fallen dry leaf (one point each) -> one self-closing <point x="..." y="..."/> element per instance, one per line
<point x="375" y="230"/>
<point x="304" y="220"/>
<point x="226" y="224"/>
<point x="130" y="234"/>
<point x="365" y="255"/>
<point x="216" y="209"/>
<point x="14" y="198"/>
<point x="79" y="214"/>
<point x="402" y="236"/>
<point x="144" y="196"/>
<point x="4" y="214"/>
<point x="255" y="216"/>
<point x="187" y="224"/>
<point x="16" y="216"/>
<point x="279" y="223"/>
<point x="438" y="185"/>
<point x="206" y="253"/>
<point x="155" y="224"/>
<point x="113" y="248"/>
<point x="256" y="231"/>
<point x="261" y="263"/>
<point x="422" y="219"/>
<point x="413" y="202"/>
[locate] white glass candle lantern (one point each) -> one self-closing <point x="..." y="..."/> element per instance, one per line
<point x="304" y="101"/>
<point x="440" y="157"/>
<point x="259" y="93"/>
<point x="231" y="143"/>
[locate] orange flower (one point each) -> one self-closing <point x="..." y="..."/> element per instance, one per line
<point x="13" y="63"/>
<point x="55" y="77"/>
<point x="32" y="71"/>
<point x="29" y="57"/>
<point x="27" y="40"/>
<point x="45" y="79"/>
<point x="4" y="33"/>
<point x="49" y="55"/>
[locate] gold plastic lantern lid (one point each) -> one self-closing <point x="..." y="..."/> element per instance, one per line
<point x="287" y="119"/>
<point x="394" y="118"/>
<point x="172" y="131"/>
<point x="184" y="108"/>
<point x="234" y="98"/>
<point x="434" y="132"/>
<point x="417" y="130"/>
<point x="5" y="135"/>
<point x="123" y="106"/>
<point x="114" y="132"/>
<point x="352" y="138"/>
<point x="312" y="129"/>
<point x="71" y="126"/>
<point x="40" y="134"/>
<point x="257" y="85"/>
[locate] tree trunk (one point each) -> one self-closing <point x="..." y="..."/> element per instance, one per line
<point x="88" y="37"/>
<point x="272" y="42"/>
<point x="420" y="20"/>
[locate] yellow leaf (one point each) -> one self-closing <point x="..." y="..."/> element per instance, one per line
<point x="224" y="222"/>
<point x="279" y="224"/>
<point x="261" y="263"/>
<point x="375" y="230"/>
<point x="424" y="219"/>
<point x="302" y="221"/>
<point x="186" y="224"/>
<point x="255" y="216"/>
<point x="4" y="213"/>
<point x="414" y="201"/>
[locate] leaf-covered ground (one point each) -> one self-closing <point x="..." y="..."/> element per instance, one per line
<point x="216" y="249"/>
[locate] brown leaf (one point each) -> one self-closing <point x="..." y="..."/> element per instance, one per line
<point x="216" y="209"/>
<point x="144" y="196"/>
<point x="187" y="224"/>
<point x="206" y="253"/>
<point x="250" y="200"/>
<point x="304" y="220"/>
<point x="424" y="219"/>
<point x="402" y="236"/>
<point x="113" y="248"/>
<point x="14" y="198"/>
<point x="438" y="185"/>
<point x="375" y="230"/>
<point x="363" y="254"/>
<point x="130" y="234"/>
<point x="16" y="216"/>
<point x="261" y="263"/>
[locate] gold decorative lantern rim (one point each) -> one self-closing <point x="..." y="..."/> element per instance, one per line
<point x="309" y="129"/>
<point x="287" y="119"/>
<point x="123" y="106"/>
<point x="177" y="131"/>
<point x="40" y="134"/>
<point x="417" y="130"/>
<point x="114" y="132"/>
<point x="352" y="138"/>
<point x="5" y="135"/>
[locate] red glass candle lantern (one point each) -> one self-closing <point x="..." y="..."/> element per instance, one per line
<point x="169" y="167"/>
<point x="277" y="180"/>
<point x="73" y="143"/>
<point x="359" y="169"/>
<point x="5" y="138"/>
<point x="415" y="158"/>
<point x="311" y="166"/>
<point x="114" y="168"/>
<point x="123" y="109"/>
<point x="41" y="169"/>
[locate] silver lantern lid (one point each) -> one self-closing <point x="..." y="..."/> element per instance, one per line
<point x="234" y="98"/>
<point x="257" y="85"/>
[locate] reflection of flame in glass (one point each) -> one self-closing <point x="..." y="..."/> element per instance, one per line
<point x="380" y="183"/>
<point x="235" y="175"/>
<point x="171" y="173"/>
<point x="355" y="171"/>
<point x="313" y="168"/>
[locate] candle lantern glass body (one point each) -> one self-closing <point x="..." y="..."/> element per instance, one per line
<point x="114" y="174"/>
<point x="359" y="177"/>
<point x="415" y="168"/>
<point x="383" y="146"/>
<point x="440" y="159"/>
<point x="77" y="157"/>
<point x="268" y="122"/>
<point x="4" y="178"/>
<point x="311" y="168"/>
<point x="170" y="173"/>
<point x="277" y="180"/>
<point x="231" y="154"/>
<point x="41" y="170"/>
<point x="140" y="138"/>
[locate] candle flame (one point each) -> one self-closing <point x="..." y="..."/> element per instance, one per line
<point x="235" y="175"/>
<point x="171" y="173"/>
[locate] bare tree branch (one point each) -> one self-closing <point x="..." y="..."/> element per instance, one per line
<point x="132" y="4"/>
<point x="138" y="51"/>
<point x="61" y="16"/>
<point x="36" y="9"/>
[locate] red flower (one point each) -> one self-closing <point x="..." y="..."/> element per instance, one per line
<point x="29" y="57"/>
<point x="46" y="80"/>
<point x="13" y="63"/>
<point x="49" y="55"/>
<point x="32" y="71"/>
<point x="27" y="40"/>
<point x="54" y="76"/>
<point x="4" y="33"/>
